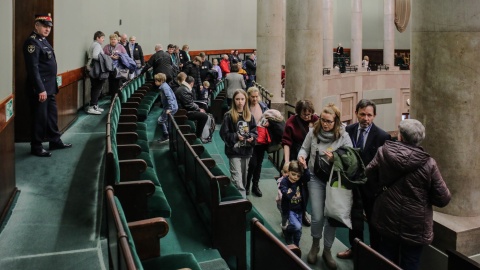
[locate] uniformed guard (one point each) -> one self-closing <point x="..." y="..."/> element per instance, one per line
<point x="42" y="87"/>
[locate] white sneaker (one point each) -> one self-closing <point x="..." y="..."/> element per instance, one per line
<point x="96" y="108"/>
<point x="91" y="110"/>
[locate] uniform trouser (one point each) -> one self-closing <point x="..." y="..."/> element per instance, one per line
<point x="255" y="164"/>
<point x="96" y="90"/>
<point x="316" y="190"/>
<point x="44" y="121"/>
<point x="238" y="172"/>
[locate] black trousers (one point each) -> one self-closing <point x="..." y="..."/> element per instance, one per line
<point x="96" y="90"/>
<point x="368" y="202"/>
<point x="255" y="164"/>
<point x="201" y="119"/>
<point x="44" y="121"/>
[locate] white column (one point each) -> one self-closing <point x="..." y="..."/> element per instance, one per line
<point x="270" y="36"/>
<point x="304" y="49"/>
<point x="328" y="33"/>
<point x="389" y="32"/>
<point x="356" y="50"/>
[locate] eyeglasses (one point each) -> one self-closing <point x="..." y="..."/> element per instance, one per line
<point x="327" y="121"/>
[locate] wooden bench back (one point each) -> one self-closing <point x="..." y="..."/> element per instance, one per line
<point x="457" y="260"/>
<point x="279" y="255"/>
<point x="365" y="257"/>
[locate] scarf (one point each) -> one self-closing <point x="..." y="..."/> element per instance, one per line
<point x="326" y="136"/>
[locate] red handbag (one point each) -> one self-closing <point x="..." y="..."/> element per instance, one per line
<point x="263" y="136"/>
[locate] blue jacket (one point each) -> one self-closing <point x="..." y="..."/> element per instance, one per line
<point x="169" y="101"/>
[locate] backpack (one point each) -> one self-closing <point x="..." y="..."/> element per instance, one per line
<point x="209" y="128"/>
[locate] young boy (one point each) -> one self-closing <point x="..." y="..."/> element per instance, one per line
<point x="204" y="94"/>
<point x="169" y="103"/>
<point x="278" y="199"/>
<point x="293" y="192"/>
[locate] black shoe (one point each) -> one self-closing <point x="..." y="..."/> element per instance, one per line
<point x="256" y="191"/>
<point x="54" y="146"/>
<point x="41" y="152"/>
<point x="306" y="221"/>
<point x="163" y="139"/>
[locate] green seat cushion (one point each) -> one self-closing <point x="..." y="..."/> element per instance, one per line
<point x="141" y="126"/>
<point x="150" y="174"/>
<point x="146" y="156"/>
<point x="172" y="262"/>
<point x="216" y="171"/>
<point x="192" y="126"/>
<point x="142" y="134"/>
<point x="158" y="205"/>
<point x="143" y="145"/>
<point x="231" y="193"/>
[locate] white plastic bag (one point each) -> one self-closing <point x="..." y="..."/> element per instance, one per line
<point x="338" y="202"/>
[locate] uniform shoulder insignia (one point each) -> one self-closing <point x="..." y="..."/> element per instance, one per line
<point x="33" y="36"/>
<point x="31" y="48"/>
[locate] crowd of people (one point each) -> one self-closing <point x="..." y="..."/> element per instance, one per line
<point x="402" y="182"/>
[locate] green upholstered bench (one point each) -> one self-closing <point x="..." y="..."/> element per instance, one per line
<point x="136" y="245"/>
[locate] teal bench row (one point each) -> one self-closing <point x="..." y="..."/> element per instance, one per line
<point x="136" y="245"/>
<point x="126" y="161"/>
<point x="220" y="205"/>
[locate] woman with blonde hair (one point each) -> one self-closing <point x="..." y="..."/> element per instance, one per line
<point x="327" y="135"/>
<point x="239" y="132"/>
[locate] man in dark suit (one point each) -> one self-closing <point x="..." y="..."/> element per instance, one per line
<point x="42" y="87"/>
<point x="368" y="137"/>
<point x="161" y="63"/>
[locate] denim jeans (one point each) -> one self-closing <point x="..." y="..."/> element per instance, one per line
<point x="238" y="172"/>
<point x="316" y="190"/>
<point x="295" y="226"/>
<point x="163" y="122"/>
<point x="404" y="255"/>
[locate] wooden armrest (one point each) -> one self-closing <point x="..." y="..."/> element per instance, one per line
<point x="128" y="151"/>
<point x="209" y="162"/>
<point x="181" y="119"/>
<point x="223" y="183"/>
<point x="131" y="169"/>
<point x="146" y="234"/>
<point x="185" y="129"/>
<point x="126" y="137"/>
<point x="199" y="149"/>
<point x="296" y="250"/>
<point x="190" y="138"/>
<point x="134" y="99"/>
<point x="127" y="127"/>
<point x="129" y="188"/>
<point x="129" y="112"/>
<point x="137" y="95"/>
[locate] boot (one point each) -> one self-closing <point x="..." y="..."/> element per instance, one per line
<point x="328" y="259"/>
<point x="256" y="191"/>
<point x="312" y="255"/>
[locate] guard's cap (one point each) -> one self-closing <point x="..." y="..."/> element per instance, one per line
<point x="46" y="19"/>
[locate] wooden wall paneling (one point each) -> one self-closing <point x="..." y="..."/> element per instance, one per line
<point x="8" y="187"/>
<point x="347" y="107"/>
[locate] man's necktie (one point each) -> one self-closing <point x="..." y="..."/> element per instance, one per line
<point x="361" y="138"/>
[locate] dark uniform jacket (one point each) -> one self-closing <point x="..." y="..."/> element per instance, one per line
<point x="251" y="68"/>
<point x="41" y="65"/>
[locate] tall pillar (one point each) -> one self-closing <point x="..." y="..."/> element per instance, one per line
<point x="327" y="33"/>
<point x="304" y="49"/>
<point x="356" y="50"/>
<point x="270" y="35"/>
<point x="444" y="97"/>
<point x="388" y="32"/>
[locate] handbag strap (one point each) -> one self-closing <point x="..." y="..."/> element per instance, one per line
<point x="331" y="175"/>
